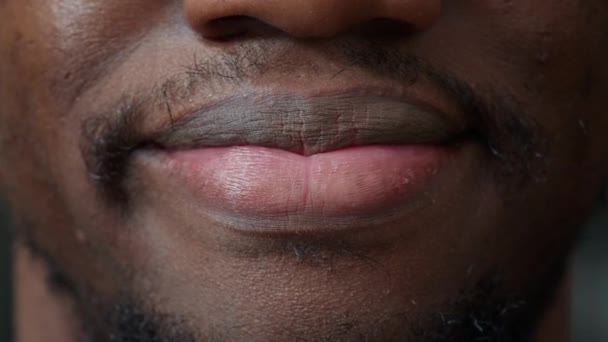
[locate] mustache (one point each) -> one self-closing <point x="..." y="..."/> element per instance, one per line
<point x="513" y="141"/>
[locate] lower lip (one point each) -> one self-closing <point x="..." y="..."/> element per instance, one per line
<point x="264" y="183"/>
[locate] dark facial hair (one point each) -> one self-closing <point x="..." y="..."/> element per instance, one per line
<point x="514" y="143"/>
<point x="485" y="313"/>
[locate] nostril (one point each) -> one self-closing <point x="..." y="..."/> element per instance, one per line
<point x="237" y="26"/>
<point x="384" y="28"/>
<point x="242" y="26"/>
<point x="246" y="19"/>
<point x="226" y="27"/>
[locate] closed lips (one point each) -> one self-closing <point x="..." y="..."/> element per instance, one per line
<point x="275" y="160"/>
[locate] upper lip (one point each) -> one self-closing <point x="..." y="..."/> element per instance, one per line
<point x="311" y="124"/>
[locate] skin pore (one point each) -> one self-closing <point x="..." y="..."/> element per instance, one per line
<point x="103" y="100"/>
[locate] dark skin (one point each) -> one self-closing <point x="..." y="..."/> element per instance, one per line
<point x="476" y="255"/>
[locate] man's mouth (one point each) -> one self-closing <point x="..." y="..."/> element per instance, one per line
<point x="339" y="156"/>
<point x="347" y="134"/>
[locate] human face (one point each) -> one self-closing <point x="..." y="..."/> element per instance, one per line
<point x="322" y="169"/>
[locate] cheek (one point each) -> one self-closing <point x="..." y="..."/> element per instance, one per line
<point x="32" y="131"/>
<point x="50" y="51"/>
<point x="549" y="55"/>
<point x="92" y="37"/>
<point x="16" y="112"/>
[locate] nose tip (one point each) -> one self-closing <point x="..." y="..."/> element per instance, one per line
<point x="304" y="18"/>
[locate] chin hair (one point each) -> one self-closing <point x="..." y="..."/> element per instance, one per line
<point x="484" y="313"/>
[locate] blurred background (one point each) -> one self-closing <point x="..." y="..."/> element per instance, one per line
<point x="590" y="268"/>
<point x="590" y="288"/>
